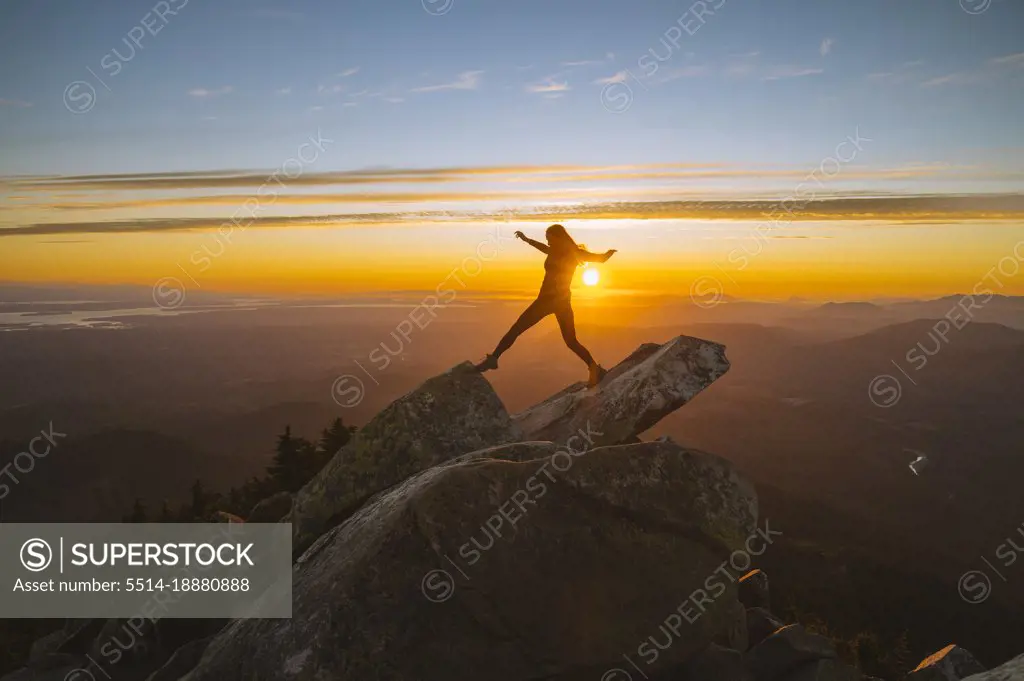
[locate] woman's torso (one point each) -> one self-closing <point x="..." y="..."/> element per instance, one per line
<point x="559" y="268"/>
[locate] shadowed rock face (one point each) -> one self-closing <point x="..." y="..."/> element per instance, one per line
<point x="785" y="650"/>
<point x="641" y="390"/>
<point x="952" y="663"/>
<point x="449" y="415"/>
<point x="1011" y="671"/>
<point x="553" y="568"/>
<point x="271" y="509"/>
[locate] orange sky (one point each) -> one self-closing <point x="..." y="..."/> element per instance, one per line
<point x="818" y="261"/>
<point x="400" y="230"/>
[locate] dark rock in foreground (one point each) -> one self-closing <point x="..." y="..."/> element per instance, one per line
<point x="508" y="570"/>
<point x="272" y="509"/>
<point x="786" y="650"/>
<point x="952" y="663"/>
<point x="451" y="414"/>
<point x="761" y="624"/>
<point x="823" y="670"/>
<point x="1011" y="671"/>
<point x="181" y="662"/>
<point x="716" y="664"/>
<point x="754" y="590"/>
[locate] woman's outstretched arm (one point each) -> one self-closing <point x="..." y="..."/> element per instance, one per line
<point x="543" y="248"/>
<point x="587" y="256"/>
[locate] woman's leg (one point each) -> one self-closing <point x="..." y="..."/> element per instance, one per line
<point x="537" y="311"/>
<point x="567" y="323"/>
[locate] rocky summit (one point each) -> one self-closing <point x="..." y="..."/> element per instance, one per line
<point x="450" y="540"/>
<point x="641" y="390"/>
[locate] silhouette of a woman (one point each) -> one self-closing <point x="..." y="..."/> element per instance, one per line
<point x="564" y="255"/>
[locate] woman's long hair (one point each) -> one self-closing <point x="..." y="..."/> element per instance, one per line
<point x="559" y="238"/>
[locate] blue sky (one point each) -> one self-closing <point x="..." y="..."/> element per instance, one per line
<point x="240" y="83"/>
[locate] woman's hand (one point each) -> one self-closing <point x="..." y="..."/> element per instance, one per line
<point x="520" y="235"/>
<point x="609" y="253"/>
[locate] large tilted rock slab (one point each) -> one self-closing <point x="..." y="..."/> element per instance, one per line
<point x="952" y="663"/>
<point x="1011" y="671"/>
<point x="637" y="393"/>
<point x="823" y="670"/>
<point x="449" y="415"/>
<point x="510" y="568"/>
<point x="787" y="649"/>
<point x="715" y="664"/>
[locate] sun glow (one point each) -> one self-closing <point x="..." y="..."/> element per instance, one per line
<point x="591" y="276"/>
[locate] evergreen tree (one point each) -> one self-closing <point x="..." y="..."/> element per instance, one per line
<point x="200" y="500"/>
<point x="332" y="439"/>
<point x="138" y="514"/>
<point x="294" y="462"/>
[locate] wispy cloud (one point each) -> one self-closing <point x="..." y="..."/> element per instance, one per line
<point x="948" y="79"/>
<point x="826" y="46"/>
<point x="783" y="72"/>
<point x="1008" y="60"/>
<point x="17" y="103"/>
<point x="743" y="65"/>
<point x="608" y="57"/>
<point x="349" y="72"/>
<point x="467" y="80"/>
<point x="900" y="74"/>
<point x="991" y="70"/>
<point x="283" y="91"/>
<point x="107" y="184"/>
<point x="204" y="92"/>
<point x="548" y="86"/>
<point x="911" y="209"/>
<point x="619" y="77"/>
<point x="329" y="89"/>
<point x="691" y="71"/>
<point x="201" y="179"/>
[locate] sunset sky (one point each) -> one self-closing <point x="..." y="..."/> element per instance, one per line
<point x="372" y="146"/>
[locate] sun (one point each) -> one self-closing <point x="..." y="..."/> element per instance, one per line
<point x="591" y="276"/>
